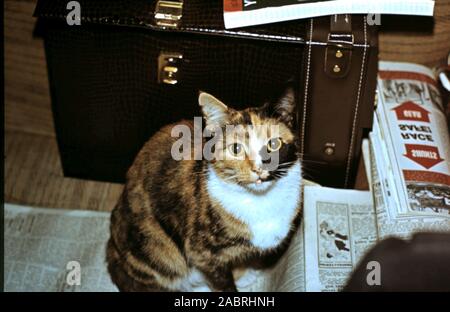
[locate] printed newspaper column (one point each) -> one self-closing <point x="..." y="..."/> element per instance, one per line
<point x="389" y="186"/>
<point x="339" y="228"/>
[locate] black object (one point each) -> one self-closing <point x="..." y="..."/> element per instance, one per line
<point x="134" y="66"/>
<point x="421" y="264"/>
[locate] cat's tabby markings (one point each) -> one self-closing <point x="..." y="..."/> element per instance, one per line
<point x="187" y="225"/>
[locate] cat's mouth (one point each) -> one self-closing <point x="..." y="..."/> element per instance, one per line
<point x="260" y="185"/>
<point x="262" y="179"/>
<point x="258" y="180"/>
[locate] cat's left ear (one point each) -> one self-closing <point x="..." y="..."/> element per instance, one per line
<point x="214" y="110"/>
<point x="284" y="107"/>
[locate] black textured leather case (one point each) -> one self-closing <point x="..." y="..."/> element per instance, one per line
<point x="107" y="100"/>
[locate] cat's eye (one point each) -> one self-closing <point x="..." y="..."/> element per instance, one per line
<point x="236" y="149"/>
<point x="274" y="144"/>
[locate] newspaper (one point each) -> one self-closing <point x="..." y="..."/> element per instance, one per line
<point x="42" y="244"/>
<point x="410" y="152"/>
<point x="45" y="247"/>
<point x="390" y="224"/>
<point x="288" y="275"/>
<point x="410" y="125"/>
<point x="240" y="13"/>
<point x="339" y="228"/>
<point x="408" y="168"/>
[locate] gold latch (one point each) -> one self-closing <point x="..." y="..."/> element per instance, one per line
<point x="168" y="13"/>
<point x="168" y="67"/>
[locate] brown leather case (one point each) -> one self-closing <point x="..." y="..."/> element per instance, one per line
<point x="134" y="66"/>
<point x="336" y="111"/>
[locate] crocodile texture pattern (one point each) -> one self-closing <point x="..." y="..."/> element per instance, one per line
<point x="107" y="101"/>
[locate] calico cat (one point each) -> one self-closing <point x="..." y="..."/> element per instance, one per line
<point x="181" y="223"/>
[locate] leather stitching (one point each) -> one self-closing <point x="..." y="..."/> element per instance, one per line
<point x="243" y="33"/>
<point x="305" y="98"/>
<point x="358" y="98"/>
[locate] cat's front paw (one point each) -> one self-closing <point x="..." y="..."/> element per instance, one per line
<point x="247" y="279"/>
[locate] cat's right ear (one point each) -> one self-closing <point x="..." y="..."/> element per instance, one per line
<point x="214" y="110"/>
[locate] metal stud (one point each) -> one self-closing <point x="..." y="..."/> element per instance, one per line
<point x="329" y="151"/>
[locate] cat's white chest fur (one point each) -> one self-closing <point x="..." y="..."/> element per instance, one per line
<point x="268" y="214"/>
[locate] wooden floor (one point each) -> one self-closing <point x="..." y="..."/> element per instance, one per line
<point x="34" y="177"/>
<point x="33" y="174"/>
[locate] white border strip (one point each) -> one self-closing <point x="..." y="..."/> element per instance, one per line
<point x="307" y="10"/>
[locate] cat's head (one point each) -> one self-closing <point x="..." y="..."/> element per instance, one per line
<point x="257" y="145"/>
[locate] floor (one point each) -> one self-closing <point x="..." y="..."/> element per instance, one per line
<point x="33" y="174"/>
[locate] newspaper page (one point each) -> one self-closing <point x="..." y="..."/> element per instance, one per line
<point x="339" y="228"/>
<point x="365" y="147"/>
<point x="410" y="113"/>
<point x="400" y="226"/>
<point x="42" y="244"/>
<point x="55" y="250"/>
<point x="241" y="13"/>
<point x="389" y="186"/>
<point x="288" y="274"/>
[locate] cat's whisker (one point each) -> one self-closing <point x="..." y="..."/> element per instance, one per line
<point x="288" y="162"/>
<point x="303" y="160"/>
<point x="231" y="177"/>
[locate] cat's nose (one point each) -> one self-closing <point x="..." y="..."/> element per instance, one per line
<point x="257" y="170"/>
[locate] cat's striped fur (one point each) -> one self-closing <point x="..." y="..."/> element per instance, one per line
<point x="178" y="223"/>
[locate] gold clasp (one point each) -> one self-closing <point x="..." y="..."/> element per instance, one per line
<point x="168" y="13"/>
<point x="168" y="67"/>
